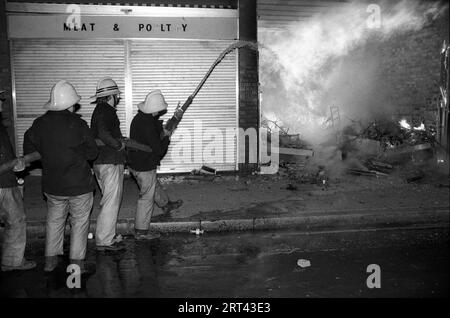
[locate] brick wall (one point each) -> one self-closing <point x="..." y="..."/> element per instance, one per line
<point x="410" y="70"/>
<point x="248" y="75"/>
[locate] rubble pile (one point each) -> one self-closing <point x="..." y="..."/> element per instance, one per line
<point x="381" y="149"/>
<point x="401" y="147"/>
<point x="392" y="134"/>
<point x="298" y="169"/>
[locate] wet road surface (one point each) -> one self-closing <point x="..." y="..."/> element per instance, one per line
<point x="413" y="263"/>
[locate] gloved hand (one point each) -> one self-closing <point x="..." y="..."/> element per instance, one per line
<point x="166" y="133"/>
<point x="20" y="165"/>
<point x="178" y="112"/>
<point x="122" y="145"/>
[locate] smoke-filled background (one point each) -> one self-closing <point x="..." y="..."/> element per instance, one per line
<point x="333" y="60"/>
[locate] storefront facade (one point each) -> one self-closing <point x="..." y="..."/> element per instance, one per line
<point x="142" y="48"/>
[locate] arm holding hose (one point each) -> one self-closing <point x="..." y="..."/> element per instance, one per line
<point x="173" y="122"/>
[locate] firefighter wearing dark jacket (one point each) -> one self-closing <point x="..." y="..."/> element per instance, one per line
<point x="12" y="211"/>
<point x="109" y="166"/>
<point x="66" y="145"/>
<point x="146" y="128"/>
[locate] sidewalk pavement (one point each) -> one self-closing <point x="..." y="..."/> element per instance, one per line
<point x="264" y="203"/>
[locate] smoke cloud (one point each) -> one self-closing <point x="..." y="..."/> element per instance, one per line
<point x="329" y="61"/>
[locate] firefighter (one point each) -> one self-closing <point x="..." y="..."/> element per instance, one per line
<point x="109" y="166"/>
<point x="65" y="143"/>
<point x="146" y="128"/>
<point x="12" y="210"/>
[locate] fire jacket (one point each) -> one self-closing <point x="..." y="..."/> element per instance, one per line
<point x="66" y="145"/>
<point x="7" y="179"/>
<point x="105" y="126"/>
<point x="147" y="129"/>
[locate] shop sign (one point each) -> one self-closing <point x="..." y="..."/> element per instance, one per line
<point x="106" y="27"/>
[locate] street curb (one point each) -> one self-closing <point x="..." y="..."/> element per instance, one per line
<point x="317" y="221"/>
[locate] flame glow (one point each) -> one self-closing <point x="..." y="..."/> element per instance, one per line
<point x="404" y="124"/>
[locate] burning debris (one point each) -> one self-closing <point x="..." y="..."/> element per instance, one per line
<point x="327" y="70"/>
<point x="401" y="145"/>
<point x="376" y="150"/>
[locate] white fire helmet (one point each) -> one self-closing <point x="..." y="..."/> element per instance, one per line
<point x="62" y="96"/>
<point x="154" y="102"/>
<point x="106" y="87"/>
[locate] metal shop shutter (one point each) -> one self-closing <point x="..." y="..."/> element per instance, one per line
<point x="176" y="68"/>
<point x="279" y="14"/>
<point x="39" y="64"/>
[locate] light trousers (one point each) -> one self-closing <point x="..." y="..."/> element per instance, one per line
<point x="110" y="180"/>
<point x="78" y="209"/>
<point x="12" y="213"/>
<point x="150" y="192"/>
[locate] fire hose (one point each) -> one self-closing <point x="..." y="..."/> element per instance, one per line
<point x="35" y="156"/>
<point x="170" y="125"/>
<point x="173" y="122"/>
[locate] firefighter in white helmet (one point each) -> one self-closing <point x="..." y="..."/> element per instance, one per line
<point x="12" y="211"/>
<point x="109" y="166"/>
<point x="66" y="146"/>
<point x="146" y="128"/>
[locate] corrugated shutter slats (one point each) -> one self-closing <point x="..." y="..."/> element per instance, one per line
<point x="39" y="64"/>
<point x="176" y="68"/>
<point x="173" y="66"/>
